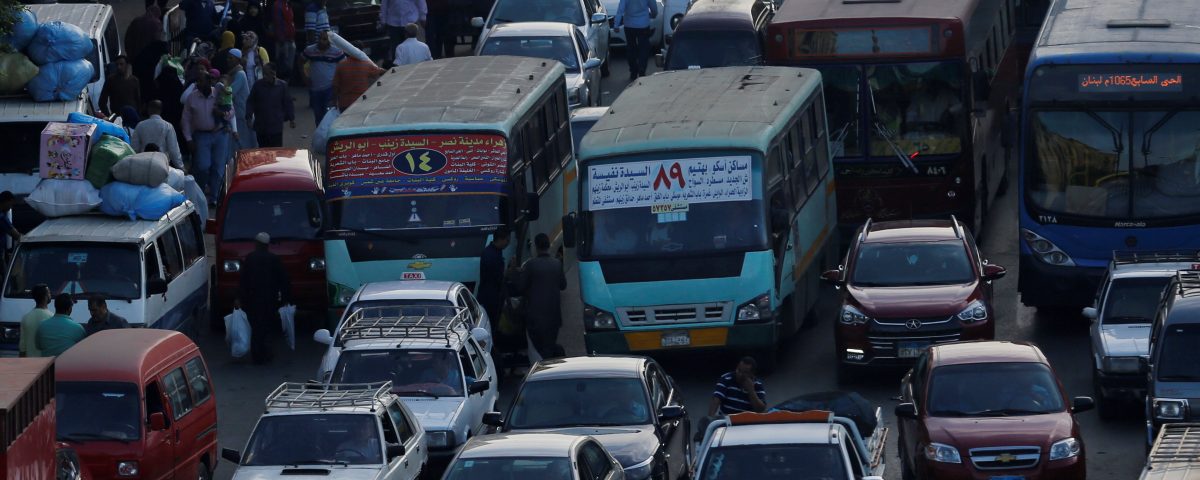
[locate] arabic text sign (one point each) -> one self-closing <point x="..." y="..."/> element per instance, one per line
<point x="416" y="165"/>
<point x="1131" y="82"/>
<point x="666" y="182"/>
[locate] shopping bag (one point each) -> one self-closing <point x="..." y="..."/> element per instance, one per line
<point x="287" y="315"/>
<point x="237" y="333"/>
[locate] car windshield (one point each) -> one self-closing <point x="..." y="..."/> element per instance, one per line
<point x="912" y="264"/>
<point x="1133" y="300"/>
<point x="1115" y="164"/>
<point x="413" y="373"/>
<point x="418" y="211"/>
<point x="713" y="48"/>
<point x="21" y="146"/>
<point x="527" y="468"/>
<point x="552" y="48"/>
<point x="315" y="439"/>
<point x="918" y="109"/>
<point x="1179" y="357"/>
<point x="579" y="402"/>
<point x="731" y="226"/>
<point x="284" y="215"/>
<point x="509" y="11"/>
<point x="97" y="411"/>
<point x="112" y="270"/>
<point x="773" y="462"/>
<point x="993" y="389"/>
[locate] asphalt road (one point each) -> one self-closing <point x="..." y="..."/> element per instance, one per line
<point x="1114" y="448"/>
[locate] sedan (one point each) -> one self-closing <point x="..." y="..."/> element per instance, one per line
<point x="554" y="41"/>
<point x="533" y="456"/>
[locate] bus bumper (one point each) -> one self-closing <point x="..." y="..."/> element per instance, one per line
<point x="1044" y="285"/>
<point x="741" y="337"/>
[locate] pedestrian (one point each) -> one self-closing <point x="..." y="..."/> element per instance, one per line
<point x="7" y="200"/>
<point x="439" y="28"/>
<point x="221" y="58"/>
<point x="269" y="105"/>
<point x="254" y="57"/>
<point x="635" y="17"/>
<point x="490" y="289"/>
<point x="541" y="283"/>
<point x="145" y="64"/>
<point x="322" y="64"/>
<point x="169" y="87"/>
<point x="207" y="142"/>
<point x="102" y="319"/>
<point x="282" y="30"/>
<point x="316" y="20"/>
<point x="143" y="30"/>
<point x="121" y="89"/>
<point x="32" y="320"/>
<point x="158" y="132"/>
<point x="59" y="332"/>
<point x="252" y="21"/>
<point x="412" y="49"/>
<point x="739" y="391"/>
<point x="201" y="20"/>
<point x="395" y="15"/>
<point x="263" y="287"/>
<point x="241" y="93"/>
<point x="352" y="78"/>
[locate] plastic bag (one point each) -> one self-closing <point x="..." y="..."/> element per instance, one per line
<point x="15" y="71"/>
<point x="107" y="151"/>
<point x="175" y="179"/>
<point x="146" y="168"/>
<point x="237" y="333"/>
<point x="287" y="316"/>
<point x="56" y="197"/>
<point x="192" y="191"/>
<point x="57" y="41"/>
<point x="154" y="203"/>
<point x="321" y="135"/>
<point x="102" y="126"/>
<point x="119" y="199"/>
<point x="23" y="30"/>
<point x="61" y="81"/>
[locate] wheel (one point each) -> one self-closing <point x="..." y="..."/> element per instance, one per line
<point x="204" y="473"/>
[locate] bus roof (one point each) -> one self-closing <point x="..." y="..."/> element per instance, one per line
<point x="731" y="107"/>
<point x="1118" y="31"/>
<point x="810" y="10"/>
<point x="477" y="93"/>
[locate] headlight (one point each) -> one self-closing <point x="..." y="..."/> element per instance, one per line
<point x="1065" y="448"/>
<point x="1045" y="250"/>
<point x="940" y="452"/>
<point x="232" y="266"/>
<point x="1122" y="364"/>
<point x="316" y="264"/>
<point x="975" y="312"/>
<point x="127" y="468"/>
<point x="440" y="439"/>
<point x="851" y="316"/>
<point x="757" y="309"/>
<point x="597" y="319"/>
<point x="640" y="471"/>
<point x="1170" y="409"/>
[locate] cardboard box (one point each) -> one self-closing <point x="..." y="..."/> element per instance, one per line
<point x="64" y="150"/>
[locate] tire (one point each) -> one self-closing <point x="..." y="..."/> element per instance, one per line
<point x="205" y="473"/>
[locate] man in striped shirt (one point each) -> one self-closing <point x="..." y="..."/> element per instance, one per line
<point x="739" y="391"/>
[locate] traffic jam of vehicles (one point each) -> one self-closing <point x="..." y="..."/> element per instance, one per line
<point x="790" y="154"/>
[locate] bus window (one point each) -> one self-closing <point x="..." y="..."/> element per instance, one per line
<point x="808" y="153"/>
<point x="842" y="86"/>
<point x="918" y="107"/>
<point x="774" y="167"/>
<point x="818" y="119"/>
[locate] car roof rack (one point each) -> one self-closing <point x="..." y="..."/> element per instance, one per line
<point x="1163" y="256"/>
<point x="781" y="416"/>
<point x="323" y="397"/>
<point x="434" y="322"/>
<point x="1189" y="282"/>
<point x="1177" y="443"/>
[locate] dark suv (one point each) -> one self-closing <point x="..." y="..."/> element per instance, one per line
<point x="907" y="285"/>
<point x="1173" y="383"/>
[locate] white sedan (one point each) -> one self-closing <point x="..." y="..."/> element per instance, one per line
<point x="617" y="38"/>
<point x="555" y="41"/>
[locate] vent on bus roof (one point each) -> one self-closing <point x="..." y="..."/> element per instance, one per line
<point x="1140" y="23"/>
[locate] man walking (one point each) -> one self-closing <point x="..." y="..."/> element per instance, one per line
<point x="635" y="16"/>
<point x="268" y="107"/>
<point x="102" y="319"/>
<point x="490" y="290"/>
<point x="156" y="131"/>
<point x="206" y="139"/>
<point x="541" y="282"/>
<point x="263" y="288"/>
<point x="739" y="391"/>
<point x="322" y="64"/>
<point x="59" y="332"/>
<point x="412" y="49"/>
<point x="7" y="200"/>
<point x="121" y="89"/>
<point x="32" y="320"/>
<point x="283" y="34"/>
<point x="394" y="15"/>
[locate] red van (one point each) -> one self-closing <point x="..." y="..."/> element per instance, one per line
<point x="137" y="403"/>
<point x="278" y="191"/>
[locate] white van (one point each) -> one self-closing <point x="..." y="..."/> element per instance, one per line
<point x="153" y="273"/>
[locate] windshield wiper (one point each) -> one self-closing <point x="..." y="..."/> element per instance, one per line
<point x="84" y="436"/>
<point x="887" y="134"/>
<point x="297" y="463"/>
<point x="1118" y="146"/>
<point x="1149" y="135"/>
<point x="415" y="393"/>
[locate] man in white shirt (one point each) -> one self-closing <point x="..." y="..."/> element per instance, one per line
<point x="412" y="49"/>
<point x="155" y="130"/>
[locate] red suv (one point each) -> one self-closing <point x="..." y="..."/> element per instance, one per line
<point x="907" y="285"/>
<point x="988" y="410"/>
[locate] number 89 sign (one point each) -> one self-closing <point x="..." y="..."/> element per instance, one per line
<point x="420" y="161"/>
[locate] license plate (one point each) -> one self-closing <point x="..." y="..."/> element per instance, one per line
<point x="676" y="339"/>
<point x="412" y="276"/>
<point x="911" y="350"/>
<point x="1009" y="477"/>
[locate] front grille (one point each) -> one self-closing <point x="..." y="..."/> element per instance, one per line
<point x="902" y="321"/>
<point x="670" y="314"/>
<point x="1005" y="458"/>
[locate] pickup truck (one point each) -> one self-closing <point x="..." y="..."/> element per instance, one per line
<point x="1175" y="454"/>
<point x="27" y="423"/>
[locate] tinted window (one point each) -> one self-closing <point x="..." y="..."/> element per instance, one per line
<point x="177" y="393"/>
<point x="774" y="461"/>
<point x="598" y="464"/>
<point x="197" y="377"/>
<point x="89" y="411"/>
<point x="993" y="389"/>
<point x="402" y="423"/>
<point x="284" y="215"/>
<point x="572" y="402"/>
<point x="477" y="361"/>
<point x="534" y="468"/>
<point x="708" y="48"/>
<point x="508" y="11"/>
<point x="168" y="245"/>
<point x="315" y="439"/>
<point x="111" y="270"/>
<point x="191" y="239"/>
<point x="911" y="264"/>
<point x="152" y="267"/>
<point x="1179" y="359"/>
<point x="1133" y="300"/>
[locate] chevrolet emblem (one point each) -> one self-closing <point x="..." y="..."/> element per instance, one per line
<point x="1005" y="457"/>
<point x="419" y="265"/>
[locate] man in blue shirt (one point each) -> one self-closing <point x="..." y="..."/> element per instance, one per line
<point x="58" y="333"/>
<point x="635" y="16"/>
<point x="739" y="391"/>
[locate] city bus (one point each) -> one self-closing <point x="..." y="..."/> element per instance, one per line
<point x="435" y="157"/>
<point x="706" y="212"/>
<point x="916" y="113"/>
<point x="1109" y="135"/>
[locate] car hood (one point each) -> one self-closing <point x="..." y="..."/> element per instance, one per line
<point x="360" y="472"/>
<point x="629" y="445"/>
<point x="435" y="413"/>
<point x="923" y="301"/>
<point x="1030" y="430"/>
<point x="1126" y="340"/>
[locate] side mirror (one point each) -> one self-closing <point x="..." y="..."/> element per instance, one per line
<point x="568" y="229"/>
<point x="395" y="450"/>
<point x="671" y="413"/>
<point x="599" y="17"/>
<point x="156" y="286"/>
<point x="478" y="386"/>
<point x="323" y="337"/>
<point x="906" y="410"/>
<point x="1082" y="404"/>
<point x="1090" y="313"/>
<point x="592" y="64"/>
<point x="493" y="419"/>
<point x="533" y="209"/>
<point x="660" y="61"/>
<point x="833" y="277"/>
<point x="210" y="226"/>
<point x="993" y="272"/>
<point x="477" y="22"/>
<point x="158" y="421"/>
<point x="481" y="336"/>
<point x="314" y="214"/>
<point x="231" y="455"/>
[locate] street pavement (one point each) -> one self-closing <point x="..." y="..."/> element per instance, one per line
<point x="1114" y="449"/>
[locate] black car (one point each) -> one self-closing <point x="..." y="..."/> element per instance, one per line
<point x="627" y="403"/>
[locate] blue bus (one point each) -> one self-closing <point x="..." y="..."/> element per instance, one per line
<point x="434" y="158"/>
<point x="706" y="211"/>
<point x="1109" y="142"/>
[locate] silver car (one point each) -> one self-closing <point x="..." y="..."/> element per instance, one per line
<point x="588" y="16"/>
<point x="657" y="23"/>
<point x="555" y="41"/>
<point x="533" y="456"/>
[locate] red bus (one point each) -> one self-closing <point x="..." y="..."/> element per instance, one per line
<point x="918" y="95"/>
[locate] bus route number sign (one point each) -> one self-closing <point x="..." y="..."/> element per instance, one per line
<point x="1130" y="82"/>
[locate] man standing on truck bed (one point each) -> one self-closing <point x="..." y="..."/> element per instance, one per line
<point x="58" y="333"/>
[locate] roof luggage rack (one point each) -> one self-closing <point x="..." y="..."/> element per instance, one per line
<point x="1164" y="256"/>
<point x="1189" y="282"/>
<point x="318" y="396"/>
<point x="1177" y="444"/>
<point x="435" y="322"/>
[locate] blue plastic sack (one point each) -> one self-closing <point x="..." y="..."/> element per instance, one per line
<point x="23" y="30"/>
<point x="57" y="41"/>
<point x="103" y="126"/>
<point x="61" y="81"/>
<point x="154" y="202"/>
<point x="120" y="199"/>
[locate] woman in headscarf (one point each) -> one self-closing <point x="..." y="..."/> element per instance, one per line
<point x="228" y="42"/>
<point x="241" y="91"/>
<point x="252" y="21"/>
<point x="253" y="56"/>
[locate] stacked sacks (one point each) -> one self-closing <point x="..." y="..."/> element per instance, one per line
<point x="15" y="68"/>
<point x="139" y="190"/>
<point x="104" y="155"/>
<point x="59" y="50"/>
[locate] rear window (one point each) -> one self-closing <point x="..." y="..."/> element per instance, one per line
<point x="707" y="49"/>
<point x="97" y="411"/>
<point x="1133" y="300"/>
<point x="283" y="215"/>
<point x="21" y="141"/>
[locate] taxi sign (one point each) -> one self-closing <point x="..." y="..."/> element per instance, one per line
<point x="412" y="276"/>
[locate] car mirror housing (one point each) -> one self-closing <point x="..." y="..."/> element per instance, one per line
<point x="592" y="64"/>
<point x="906" y="410"/>
<point x="231" y="455"/>
<point x="1082" y="404"/>
<point x="323" y="337"/>
<point x="478" y="386"/>
<point x="1090" y="313"/>
<point x="599" y="17"/>
<point x="493" y="419"/>
<point x="833" y="277"/>
<point x="156" y="286"/>
<point x="671" y="413"/>
<point x="158" y="421"/>
<point x="993" y="272"/>
<point x="477" y="22"/>
<point x="395" y="450"/>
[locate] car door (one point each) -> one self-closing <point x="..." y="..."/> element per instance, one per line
<point x="464" y="299"/>
<point x="184" y="429"/>
<point x="412" y="436"/>
<point x="158" y="449"/>
<point x="485" y="370"/>
<point x="674" y="434"/>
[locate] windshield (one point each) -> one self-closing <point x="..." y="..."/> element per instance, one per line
<point x="1179" y="357"/>
<point x="533" y="468"/>
<point x="842" y="96"/>
<point x="413" y="373"/>
<point x="701" y="228"/>
<point x="284" y="215"/>
<point x="993" y="389"/>
<point x="1133" y="300"/>
<point x="917" y="107"/>
<point x="21" y="146"/>
<point x="79" y="268"/>
<point x="773" y="462"/>
<point x="1115" y="164"/>
<point x="580" y="402"/>
<point x="553" y="48"/>
<point x="709" y="48"/>
<point x="509" y="11"/>
<point x="912" y="264"/>
<point x="418" y="211"/>
<point x="320" y="439"/>
<point x="90" y="411"/>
